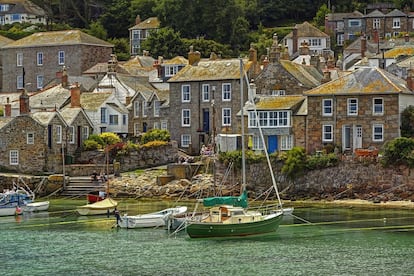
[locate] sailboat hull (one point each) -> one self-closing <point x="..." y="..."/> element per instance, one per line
<point x="221" y="230"/>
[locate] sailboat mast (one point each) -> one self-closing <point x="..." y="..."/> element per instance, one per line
<point x="242" y="126"/>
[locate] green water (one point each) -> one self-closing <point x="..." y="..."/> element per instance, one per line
<point x="339" y="242"/>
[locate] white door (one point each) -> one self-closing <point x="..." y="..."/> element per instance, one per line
<point x="357" y="137"/>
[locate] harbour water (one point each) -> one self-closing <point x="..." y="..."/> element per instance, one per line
<point x="341" y="241"/>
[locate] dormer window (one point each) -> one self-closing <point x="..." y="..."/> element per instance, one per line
<point x="4" y="7"/>
<point x="279" y="92"/>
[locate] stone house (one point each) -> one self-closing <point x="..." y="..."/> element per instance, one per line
<point x="387" y="25"/>
<point x="140" y="31"/>
<point x="344" y="26"/>
<point x="21" y="11"/>
<point x="206" y="97"/>
<point x="318" y="41"/>
<point x="34" y="60"/>
<point x="358" y="110"/>
<point x="146" y="110"/>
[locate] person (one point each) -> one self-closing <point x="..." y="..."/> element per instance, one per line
<point x="117" y="216"/>
<point x="94" y="176"/>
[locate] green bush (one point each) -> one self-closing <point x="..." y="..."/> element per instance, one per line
<point x="399" y="151"/>
<point x="295" y="162"/>
<point x="110" y="138"/>
<point x="91" y="145"/>
<point x="97" y="138"/>
<point x="155" y="135"/>
<point x="314" y="162"/>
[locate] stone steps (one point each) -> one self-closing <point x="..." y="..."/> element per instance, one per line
<point x="81" y="186"/>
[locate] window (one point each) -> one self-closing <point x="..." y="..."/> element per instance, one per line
<point x="327" y="133"/>
<point x="378" y="106"/>
<point x="315" y="42"/>
<point x="185" y="117"/>
<point x="171" y="70"/>
<point x="340" y="39"/>
<point x="378" y="133"/>
<point x="185" y="93"/>
<point x="144" y="108"/>
<point x="354" y="23"/>
<point x="185" y="140"/>
<point x="376" y="23"/>
<point x="156" y="125"/>
<point x="85" y="133"/>
<point x="19" y="84"/>
<point x="113" y="119"/>
<point x="103" y="115"/>
<point x="286" y="142"/>
<point x="4" y="7"/>
<point x="257" y="143"/>
<point x="327" y="107"/>
<point x="72" y="134"/>
<point x="136" y="34"/>
<point x="226" y="92"/>
<point x="278" y="92"/>
<point x="15" y="17"/>
<point x="39" y="58"/>
<point x="269" y="119"/>
<point x="226" y="117"/>
<point x="136" y="109"/>
<point x="124" y="119"/>
<point x="136" y="129"/>
<point x="164" y="125"/>
<point x="39" y="81"/>
<point x="206" y="92"/>
<point x="14" y="157"/>
<point x="396" y="23"/>
<point x="352" y="107"/>
<point x="19" y="59"/>
<point x="157" y="109"/>
<point x="58" y="134"/>
<point x="61" y="57"/>
<point x="30" y="138"/>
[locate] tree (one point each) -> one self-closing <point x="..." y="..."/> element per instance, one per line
<point x="97" y="30"/>
<point x="165" y="42"/>
<point x="295" y="163"/>
<point x="407" y="122"/>
<point x="399" y="151"/>
<point x="121" y="48"/>
<point x="319" y="19"/>
<point x="117" y="19"/>
<point x="143" y="8"/>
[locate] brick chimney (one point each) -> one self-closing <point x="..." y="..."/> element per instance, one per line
<point x="24" y="103"/>
<point x="363" y="46"/>
<point x="294" y="40"/>
<point x="265" y="62"/>
<point x="137" y="19"/>
<point x="304" y="49"/>
<point x="75" y="95"/>
<point x="64" y="77"/>
<point x="410" y="81"/>
<point x="252" y="54"/>
<point x="7" y="108"/>
<point x="326" y="76"/>
<point x="193" y="57"/>
<point x="274" y="54"/>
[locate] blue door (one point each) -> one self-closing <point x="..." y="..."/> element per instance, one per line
<point x="271" y="143"/>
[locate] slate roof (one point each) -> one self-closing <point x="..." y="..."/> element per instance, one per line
<point x="70" y="114"/>
<point x="175" y="60"/>
<point x="45" y="117"/>
<point x="362" y="81"/>
<point x="4" y="41"/>
<point x="222" y="69"/>
<point x="374" y="14"/>
<point x="277" y="102"/>
<point x="408" y="62"/>
<point x="22" y="6"/>
<point x="395" y="13"/>
<point x="341" y="16"/>
<point x="93" y="101"/>
<point x="4" y="121"/>
<point x="307" y="30"/>
<point x="307" y="75"/>
<point x="68" y="37"/>
<point x="54" y="97"/>
<point x="149" y="23"/>
<point x="406" y="50"/>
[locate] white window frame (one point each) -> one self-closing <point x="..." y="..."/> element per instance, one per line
<point x="351" y="23"/>
<point x="286" y="142"/>
<point x="257" y="143"/>
<point x="327" y="110"/>
<point x="315" y="42"/>
<point x="396" y="23"/>
<point x="157" y="106"/>
<point x="205" y="88"/>
<point x="327" y="134"/>
<point x="185" y="117"/>
<point x="226" y="92"/>
<point x="269" y="119"/>
<point x="39" y="81"/>
<point x="376" y="23"/>
<point x="30" y="138"/>
<point x="164" y="125"/>
<point x="59" y="134"/>
<point x="185" y="140"/>
<point x="104" y="115"/>
<point x="136" y="129"/>
<point x="71" y="135"/>
<point x="352" y="107"/>
<point x="39" y="58"/>
<point x="61" y="57"/>
<point x="85" y="132"/>
<point x="278" y="92"/>
<point x="376" y="136"/>
<point x="136" y="109"/>
<point x="185" y="93"/>
<point x="113" y="119"/>
<point x="19" y="82"/>
<point x="340" y="39"/>
<point x="170" y="70"/>
<point x="156" y="125"/>
<point x="19" y="59"/>
<point x="14" y="157"/>
<point x="377" y="108"/>
<point x="226" y="116"/>
<point x="144" y="108"/>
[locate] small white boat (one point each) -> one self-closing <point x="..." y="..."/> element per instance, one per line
<point x="156" y="219"/>
<point x="10" y="211"/>
<point x="36" y="206"/>
<point x="108" y="205"/>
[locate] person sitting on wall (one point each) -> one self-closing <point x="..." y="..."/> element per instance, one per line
<point x="94" y="176"/>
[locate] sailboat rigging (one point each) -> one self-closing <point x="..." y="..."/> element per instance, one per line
<point x="229" y="216"/>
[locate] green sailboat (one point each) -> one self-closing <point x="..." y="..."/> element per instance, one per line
<point x="229" y="216"/>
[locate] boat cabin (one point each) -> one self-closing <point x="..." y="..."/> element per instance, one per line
<point x="228" y="214"/>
